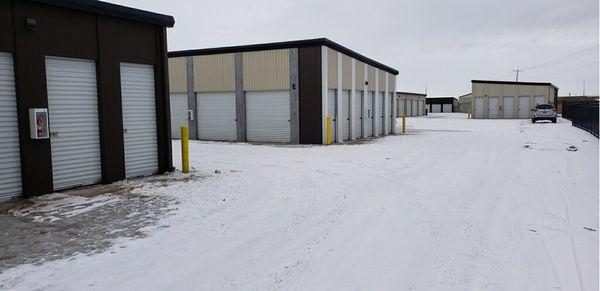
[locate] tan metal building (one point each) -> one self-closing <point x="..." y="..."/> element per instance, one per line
<point x="464" y="103"/>
<point x="509" y="100"/>
<point x="411" y="104"/>
<point x="281" y="92"/>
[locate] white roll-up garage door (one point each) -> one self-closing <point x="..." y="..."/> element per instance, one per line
<point x="421" y="108"/>
<point x="331" y="112"/>
<point x="216" y="116"/>
<point x="415" y="108"/>
<point x="73" y="121"/>
<point x="401" y="107"/>
<point x="379" y="113"/>
<point x="345" y="124"/>
<point x="493" y="107"/>
<point x="408" y="108"/>
<point x="436" y="108"/>
<point x="508" y="107"/>
<point x="369" y="125"/>
<point x="447" y="108"/>
<point x="478" y="107"/>
<point x="139" y="119"/>
<point x="268" y="116"/>
<point x="524" y="107"/>
<point x="357" y="115"/>
<point x="178" y="113"/>
<point x="391" y="112"/>
<point x="10" y="160"/>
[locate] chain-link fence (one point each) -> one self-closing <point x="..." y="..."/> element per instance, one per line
<point x="583" y="115"/>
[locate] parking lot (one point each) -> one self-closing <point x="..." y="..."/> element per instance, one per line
<point x="454" y="204"/>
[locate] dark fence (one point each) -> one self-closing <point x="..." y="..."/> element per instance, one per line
<point x="583" y="115"/>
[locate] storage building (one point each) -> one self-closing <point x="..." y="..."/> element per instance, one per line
<point x="411" y="104"/>
<point x="508" y="100"/>
<point x="83" y="95"/>
<point x="464" y="103"/>
<point x="442" y="104"/>
<point x="281" y="92"/>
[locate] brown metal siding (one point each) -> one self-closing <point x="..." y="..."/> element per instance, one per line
<point x="7" y="37"/>
<point x="109" y="41"/>
<point x="310" y="82"/>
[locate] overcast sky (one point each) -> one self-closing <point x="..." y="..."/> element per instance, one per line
<point x="441" y="45"/>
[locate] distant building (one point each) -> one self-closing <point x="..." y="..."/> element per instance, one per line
<point x="465" y="103"/>
<point x="442" y="104"/>
<point x="411" y="104"/>
<point x="508" y="100"/>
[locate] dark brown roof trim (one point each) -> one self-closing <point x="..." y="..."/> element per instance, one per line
<point x="513" y="83"/>
<point x="113" y="10"/>
<point x="284" y="45"/>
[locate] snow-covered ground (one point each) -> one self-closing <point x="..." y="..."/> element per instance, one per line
<point x="454" y="204"/>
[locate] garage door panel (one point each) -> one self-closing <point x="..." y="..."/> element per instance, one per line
<point x="268" y="116"/>
<point x="217" y="116"/>
<point x="357" y="116"/>
<point x="478" y="107"/>
<point x="10" y="161"/>
<point x="446" y="108"/>
<point x="345" y="124"/>
<point x="75" y="145"/>
<point x="179" y="107"/>
<point x="493" y="107"/>
<point x="369" y="114"/>
<point x="139" y="118"/>
<point x="524" y="107"/>
<point x="508" y="107"/>
<point x="332" y="113"/>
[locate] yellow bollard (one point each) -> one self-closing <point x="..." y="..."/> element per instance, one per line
<point x="328" y="130"/>
<point x="469" y="114"/>
<point x="185" y="154"/>
<point x="403" y="123"/>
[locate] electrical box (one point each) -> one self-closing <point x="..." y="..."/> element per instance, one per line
<point x="38" y="123"/>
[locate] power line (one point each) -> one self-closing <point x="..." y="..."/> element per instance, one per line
<point x="566" y="58"/>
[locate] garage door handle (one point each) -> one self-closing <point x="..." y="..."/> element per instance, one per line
<point x="53" y="133"/>
<point x="289" y="120"/>
<point x="124" y="130"/>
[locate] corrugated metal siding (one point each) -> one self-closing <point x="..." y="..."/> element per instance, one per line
<point x="139" y="119"/>
<point x="216" y="116"/>
<point x="179" y="109"/>
<point x="332" y="69"/>
<point x="73" y="114"/>
<point x="177" y="74"/>
<point x="360" y="75"/>
<point x="371" y="77"/>
<point x="392" y="83"/>
<point x="347" y="72"/>
<point x="381" y="76"/>
<point x="266" y="70"/>
<point x="268" y="116"/>
<point x="10" y="160"/>
<point x="214" y="73"/>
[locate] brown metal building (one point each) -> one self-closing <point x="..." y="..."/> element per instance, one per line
<point x="281" y="92"/>
<point x="83" y="95"/>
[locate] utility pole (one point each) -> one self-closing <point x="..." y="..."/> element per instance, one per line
<point x="517" y="71"/>
<point x="584" y="88"/>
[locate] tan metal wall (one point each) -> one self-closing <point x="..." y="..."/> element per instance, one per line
<point x="332" y="69"/>
<point x="371" y="77"/>
<point x="381" y="76"/>
<point x="500" y="90"/>
<point x="347" y="72"/>
<point x="177" y="75"/>
<point x="214" y="73"/>
<point x="360" y="75"/>
<point x="266" y="70"/>
<point x="392" y="83"/>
